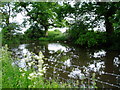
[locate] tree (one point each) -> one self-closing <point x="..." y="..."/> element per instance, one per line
<point x="104" y="11"/>
<point x="92" y="13"/>
<point x="43" y="14"/>
<point x="8" y="28"/>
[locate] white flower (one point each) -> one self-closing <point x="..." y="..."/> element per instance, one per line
<point x="29" y="64"/>
<point x="40" y="74"/>
<point x="40" y="61"/>
<point x="31" y="74"/>
<point x="29" y="78"/>
<point x="23" y="74"/>
<point x="40" y="70"/>
<point x="36" y="57"/>
<point x="44" y="68"/>
<point x="20" y="70"/>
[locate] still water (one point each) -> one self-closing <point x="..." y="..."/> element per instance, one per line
<point x="66" y="63"/>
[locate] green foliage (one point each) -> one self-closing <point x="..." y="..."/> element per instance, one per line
<point x="33" y="33"/>
<point x="9" y="31"/>
<point x="91" y="38"/>
<point x="44" y="39"/>
<point x="11" y="77"/>
<point x="52" y="34"/>
<point x="55" y="35"/>
<point x="76" y="29"/>
<point x="42" y="14"/>
<point x="62" y="37"/>
<point x="115" y="39"/>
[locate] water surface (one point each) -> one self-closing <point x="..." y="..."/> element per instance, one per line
<point x="68" y="63"/>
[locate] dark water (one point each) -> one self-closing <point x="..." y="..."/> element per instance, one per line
<point x="69" y="63"/>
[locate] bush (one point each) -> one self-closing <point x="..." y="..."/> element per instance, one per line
<point x="62" y="37"/>
<point x="115" y="39"/>
<point x="55" y="35"/>
<point x="91" y="38"/>
<point x="44" y="39"/>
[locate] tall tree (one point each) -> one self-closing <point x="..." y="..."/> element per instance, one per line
<point x="8" y="28"/>
<point x="103" y="11"/>
<point x="91" y="13"/>
<point x="43" y="14"/>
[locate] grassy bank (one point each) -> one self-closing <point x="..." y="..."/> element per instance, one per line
<point x="53" y="36"/>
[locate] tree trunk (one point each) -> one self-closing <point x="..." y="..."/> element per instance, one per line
<point x="8" y="15"/>
<point x="109" y="31"/>
<point x="109" y="26"/>
<point x="46" y="31"/>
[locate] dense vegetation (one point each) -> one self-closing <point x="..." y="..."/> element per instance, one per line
<point x="84" y="18"/>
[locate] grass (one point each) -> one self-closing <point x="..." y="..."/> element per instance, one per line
<point x="55" y="35"/>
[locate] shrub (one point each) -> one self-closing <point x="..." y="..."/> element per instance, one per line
<point x="44" y="39"/>
<point x="115" y="39"/>
<point x="91" y="38"/>
<point x="62" y="37"/>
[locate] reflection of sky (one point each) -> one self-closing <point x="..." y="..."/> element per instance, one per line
<point x="21" y="51"/>
<point x="116" y="61"/>
<point x="67" y="63"/>
<point x="99" y="54"/>
<point x="24" y="51"/>
<point x="76" y="74"/>
<point x="56" y="47"/>
<point x="96" y="66"/>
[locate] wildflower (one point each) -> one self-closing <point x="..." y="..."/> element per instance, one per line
<point x="40" y="74"/>
<point x="44" y="68"/>
<point x="32" y="74"/>
<point x="29" y="64"/>
<point x="29" y="78"/>
<point x="23" y="74"/>
<point x="40" y="70"/>
<point x="20" y="69"/>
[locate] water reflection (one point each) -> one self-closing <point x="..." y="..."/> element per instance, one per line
<point x="76" y="74"/>
<point x="69" y="62"/>
<point x="98" y="54"/>
<point x="97" y="66"/>
<point x="55" y="47"/>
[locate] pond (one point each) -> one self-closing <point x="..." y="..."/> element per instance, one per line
<point x="66" y="63"/>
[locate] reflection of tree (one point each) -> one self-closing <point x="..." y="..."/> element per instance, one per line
<point x="46" y="53"/>
<point x="110" y="67"/>
<point x="109" y="62"/>
<point x="36" y="47"/>
<point x="81" y="57"/>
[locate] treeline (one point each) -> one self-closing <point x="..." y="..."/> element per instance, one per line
<point x="81" y="18"/>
